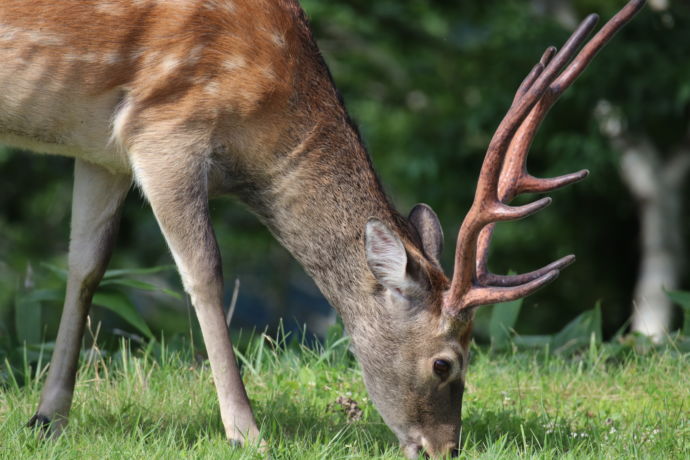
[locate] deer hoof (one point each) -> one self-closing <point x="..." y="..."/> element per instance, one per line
<point x="43" y="425"/>
<point x="39" y="421"/>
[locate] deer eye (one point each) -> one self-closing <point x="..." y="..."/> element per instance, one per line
<point x="441" y="368"/>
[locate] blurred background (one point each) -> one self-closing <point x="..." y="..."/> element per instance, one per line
<point x="428" y="82"/>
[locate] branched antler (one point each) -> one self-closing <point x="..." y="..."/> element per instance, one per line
<point x="504" y="174"/>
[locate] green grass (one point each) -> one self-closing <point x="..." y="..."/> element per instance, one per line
<point x="524" y="404"/>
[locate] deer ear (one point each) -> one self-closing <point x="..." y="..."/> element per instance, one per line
<point x="425" y="220"/>
<point x="389" y="262"/>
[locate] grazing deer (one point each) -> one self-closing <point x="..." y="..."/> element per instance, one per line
<point x="194" y="98"/>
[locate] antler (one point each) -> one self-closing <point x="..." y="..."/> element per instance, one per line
<point x="504" y="174"/>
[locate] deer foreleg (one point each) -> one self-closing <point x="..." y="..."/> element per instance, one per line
<point x="176" y="187"/>
<point x="96" y="203"/>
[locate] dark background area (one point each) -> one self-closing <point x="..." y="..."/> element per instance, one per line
<point x="427" y="82"/>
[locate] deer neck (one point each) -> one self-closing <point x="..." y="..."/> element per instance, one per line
<point x="317" y="202"/>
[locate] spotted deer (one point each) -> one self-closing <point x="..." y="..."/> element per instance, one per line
<point x="190" y="99"/>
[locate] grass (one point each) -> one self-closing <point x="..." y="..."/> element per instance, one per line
<point x="161" y="405"/>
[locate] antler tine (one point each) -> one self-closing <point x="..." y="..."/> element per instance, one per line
<point x="514" y="168"/>
<point x="493" y="161"/>
<point x="514" y="178"/>
<point x="503" y="174"/>
<point x="481" y="295"/>
<point x="487" y="207"/>
<point x="534" y="73"/>
<point x="491" y="279"/>
<point x="597" y="42"/>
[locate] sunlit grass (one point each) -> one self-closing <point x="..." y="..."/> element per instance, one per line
<point x="162" y="405"/>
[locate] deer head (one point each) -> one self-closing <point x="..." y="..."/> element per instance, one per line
<point x="415" y="356"/>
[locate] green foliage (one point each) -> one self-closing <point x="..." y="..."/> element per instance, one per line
<point x="26" y="344"/>
<point x="503" y="318"/>
<point x="428" y="82"/>
<point x="584" y="331"/>
<point x="112" y="293"/>
<point x="120" y="304"/>
<point x="579" y="332"/>
<point x="28" y="316"/>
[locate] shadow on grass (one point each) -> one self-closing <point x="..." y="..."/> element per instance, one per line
<point x="485" y="428"/>
<point x="283" y="420"/>
<point x="297" y="418"/>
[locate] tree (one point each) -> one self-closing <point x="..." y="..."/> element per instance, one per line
<point x="653" y="146"/>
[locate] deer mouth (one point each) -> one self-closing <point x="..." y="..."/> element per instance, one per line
<point x="413" y="450"/>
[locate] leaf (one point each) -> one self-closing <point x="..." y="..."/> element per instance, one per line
<point x="577" y="332"/>
<point x="60" y="272"/>
<point x="118" y="303"/>
<point x="137" y="284"/>
<point x="117" y="278"/>
<point x="27" y="319"/>
<point x="118" y="273"/>
<point x="682" y="298"/>
<point x="503" y="318"/>
<point x="532" y="341"/>
<point x="40" y="295"/>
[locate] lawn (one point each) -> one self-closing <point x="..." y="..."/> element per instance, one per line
<point x="161" y="404"/>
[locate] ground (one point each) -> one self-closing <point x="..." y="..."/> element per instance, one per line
<point x="312" y="405"/>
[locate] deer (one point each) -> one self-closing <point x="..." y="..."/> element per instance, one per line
<point x="192" y="99"/>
